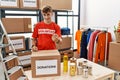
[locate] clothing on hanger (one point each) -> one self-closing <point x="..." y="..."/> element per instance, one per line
<point x="83" y="45"/>
<point x="91" y="44"/>
<point x="78" y="39"/>
<point x="101" y="46"/>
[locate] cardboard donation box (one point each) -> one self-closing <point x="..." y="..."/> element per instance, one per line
<point x="45" y="63"/>
<point x="29" y="4"/>
<point x="18" y="43"/>
<point x="9" y="3"/>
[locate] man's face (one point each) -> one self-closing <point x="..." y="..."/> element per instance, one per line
<point x="47" y="16"/>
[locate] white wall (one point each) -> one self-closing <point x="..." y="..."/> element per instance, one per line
<point x="102" y="13"/>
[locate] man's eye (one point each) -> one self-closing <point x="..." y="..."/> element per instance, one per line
<point x="44" y="14"/>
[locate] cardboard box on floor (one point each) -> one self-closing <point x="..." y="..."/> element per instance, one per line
<point x="45" y="63"/>
<point x="114" y="56"/>
<point x="17" y="25"/>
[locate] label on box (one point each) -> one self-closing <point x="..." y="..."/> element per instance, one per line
<point x="30" y="3"/>
<point x="46" y="67"/>
<point x="18" y="44"/>
<point x="8" y="3"/>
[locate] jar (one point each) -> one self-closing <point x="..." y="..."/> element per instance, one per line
<point x="80" y="64"/>
<point x="85" y="73"/>
<point x="72" y="69"/>
<point x="73" y="60"/>
<point x="89" y="69"/>
<point x="79" y="70"/>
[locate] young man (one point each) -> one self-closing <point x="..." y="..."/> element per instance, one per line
<point x="46" y="33"/>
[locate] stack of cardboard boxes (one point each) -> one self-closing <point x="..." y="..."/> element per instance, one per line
<point x="36" y="4"/>
<point x="23" y="55"/>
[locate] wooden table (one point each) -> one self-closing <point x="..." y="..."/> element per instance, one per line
<point x="98" y="73"/>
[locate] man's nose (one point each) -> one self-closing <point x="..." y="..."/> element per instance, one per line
<point x="46" y="16"/>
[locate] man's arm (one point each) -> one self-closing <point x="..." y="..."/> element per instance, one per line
<point x="56" y="38"/>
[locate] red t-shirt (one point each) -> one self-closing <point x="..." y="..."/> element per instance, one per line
<point x="43" y="32"/>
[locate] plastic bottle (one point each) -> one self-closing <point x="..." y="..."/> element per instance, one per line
<point x="65" y="62"/>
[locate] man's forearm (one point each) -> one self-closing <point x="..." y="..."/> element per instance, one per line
<point x="34" y="41"/>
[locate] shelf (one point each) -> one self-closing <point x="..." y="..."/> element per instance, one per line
<point x="18" y="9"/>
<point x="21" y="33"/>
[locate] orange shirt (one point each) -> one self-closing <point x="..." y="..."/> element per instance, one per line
<point x="78" y="39"/>
<point x="101" y="46"/>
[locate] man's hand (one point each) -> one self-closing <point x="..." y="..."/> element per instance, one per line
<point x="34" y="48"/>
<point x="56" y="38"/>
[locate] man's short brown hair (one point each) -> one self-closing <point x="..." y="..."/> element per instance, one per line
<point x="46" y="9"/>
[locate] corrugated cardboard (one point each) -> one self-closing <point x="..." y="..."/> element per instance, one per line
<point x="43" y="56"/>
<point x="16" y="25"/>
<point x="12" y="63"/>
<point x="27" y="24"/>
<point x="24" y="53"/>
<point x="9" y="3"/>
<point x="57" y="4"/>
<point x="117" y="35"/>
<point x="16" y="75"/>
<point x="25" y="58"/>
<point x="18" y="43"/>
<point x="29" y="4"/>
<point x="66" y="43"/>
<point x="114" y="56"/>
